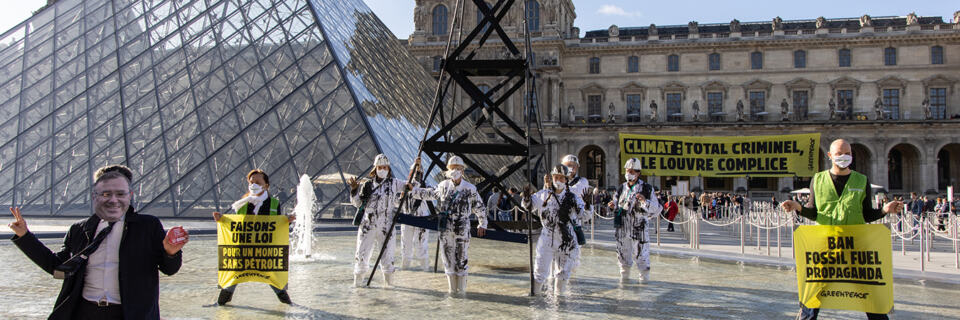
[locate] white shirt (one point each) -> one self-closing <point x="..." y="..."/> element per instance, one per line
<point x="102" y="281"/>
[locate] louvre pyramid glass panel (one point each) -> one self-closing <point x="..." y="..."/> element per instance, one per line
<point x="193" y="94"/>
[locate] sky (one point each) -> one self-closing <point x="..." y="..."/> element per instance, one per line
<point x="596" y="15"/>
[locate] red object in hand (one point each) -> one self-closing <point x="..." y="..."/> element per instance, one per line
<point x="177" y="236"/>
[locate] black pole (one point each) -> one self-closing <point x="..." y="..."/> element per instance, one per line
<point x="527" y="108"/>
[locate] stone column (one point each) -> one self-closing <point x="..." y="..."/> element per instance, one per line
<point x="611" y="148"/>
<point x="880" y="164"/>
<point x="928" y="165"/>
<point x="740" y="182"/>
<point x="557" y="106"/>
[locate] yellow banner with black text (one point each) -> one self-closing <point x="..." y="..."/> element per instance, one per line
<point x="729" y="156"/>
<point x="253" y="248"/>
<point x="845" y="267"/>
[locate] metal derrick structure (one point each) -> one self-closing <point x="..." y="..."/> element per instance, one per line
<point x="514" y="74"/>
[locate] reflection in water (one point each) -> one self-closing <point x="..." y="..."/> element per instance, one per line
<point x="497" y="287"/>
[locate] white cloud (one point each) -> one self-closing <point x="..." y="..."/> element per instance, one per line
<point x="612" y="10"/>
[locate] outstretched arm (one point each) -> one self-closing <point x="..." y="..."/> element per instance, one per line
<point x="36" y="250"/>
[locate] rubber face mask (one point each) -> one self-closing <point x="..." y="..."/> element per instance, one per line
<point x="630" y="176"/>
<point x="382" y="173"/>
<point x="454" y="174"/>
<point x="843" y="161"/>
<point x="255" y="189"/>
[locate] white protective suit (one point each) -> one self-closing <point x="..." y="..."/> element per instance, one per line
<point x="379" y="209"/>
<point x="633" y="236"/>
<point x="458" y="201"/>
<point x="557" y="241"/>
<point x="414" y="242"/>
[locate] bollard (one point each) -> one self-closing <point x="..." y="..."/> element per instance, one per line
<point x="766" y="225"/>
<point x="923" y="262"/>
<point x="779" y="249"/>
<point x="903" y="242"/>
<point x="742" y="218"/>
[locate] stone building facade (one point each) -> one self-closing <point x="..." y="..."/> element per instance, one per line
<point x="887" y="84"/>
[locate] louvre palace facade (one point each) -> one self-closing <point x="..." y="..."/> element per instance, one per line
<point x="886" y="84"/>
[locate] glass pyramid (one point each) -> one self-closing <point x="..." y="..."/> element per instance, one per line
<point x="193" y="94"/>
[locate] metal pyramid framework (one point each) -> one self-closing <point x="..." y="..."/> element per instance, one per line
<point x="193" y="94"/>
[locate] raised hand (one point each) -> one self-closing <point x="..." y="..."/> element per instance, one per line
<point x="352" y="181"/>
<point x="216" y="216"/>
<point x="19" y="226"/>
<point x="790" y="206"/>
<point x="893" y="207"/>
<point x="171" y="248"/>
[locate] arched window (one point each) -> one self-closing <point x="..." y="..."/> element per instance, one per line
<point x="890" y="56"/>
<point x="592" y="165"/>
<point x="673" y="63"/>
<point x="595" y="65"/>
<point x="439" y="20"/>
<point x="843" y="57"/>
<point x="936" y="55"/>
<point x="533" y="16"/>
<point x="756" y="60"/>
<point x="633" y="64"/>
<point x="480" y="18"/>
<point x="714" y="61"/>
<point x="799" y="59"/>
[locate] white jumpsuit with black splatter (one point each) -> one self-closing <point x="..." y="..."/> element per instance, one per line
<point x="557" y="241"/>
<point x="633" y="236"/>
<point x="380" y="208"/>
<point x="414" y="241"/>
<point x="459" y="201"/>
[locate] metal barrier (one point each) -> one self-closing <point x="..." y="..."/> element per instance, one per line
<point x="760" y="219"/>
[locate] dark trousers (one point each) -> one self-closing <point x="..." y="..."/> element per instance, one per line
<point x="813" y="313"/>
<point x="87" y="310"/>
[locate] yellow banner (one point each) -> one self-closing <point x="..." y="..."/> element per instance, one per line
<point x="734" y="156"/>
<point x="845" y="267"/>
<point x="253" y="248"/>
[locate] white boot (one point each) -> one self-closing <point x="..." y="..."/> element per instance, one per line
<point x="358" y="280"/>
<point x="388" y="279"/>
<point x="560" y="287"/>
<point x="538" y="288"/>
<point x="452" y="281"/>
<point x="624" y="275"/>
<point x="644" y="276"/>
<point x="462" y="285"/>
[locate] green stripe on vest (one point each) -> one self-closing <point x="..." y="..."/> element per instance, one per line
<point x="274" y="207"/>
<point x="843" y="209"/>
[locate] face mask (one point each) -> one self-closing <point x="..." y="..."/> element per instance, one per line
<point x="559" y="185"/>
<point x="843" y="161"/>
<point x="454" y="174"/>
<point x="630" y="176"/>
<point x="255" y="189"/>
<point x="572" y="171"/>
<point x="382" y="173"/>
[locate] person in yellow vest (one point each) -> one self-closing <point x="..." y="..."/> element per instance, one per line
<point x="257" y="201"/>
<point x="839" y="196"/>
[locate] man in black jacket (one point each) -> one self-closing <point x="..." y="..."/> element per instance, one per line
<point x="117" y="277"/>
